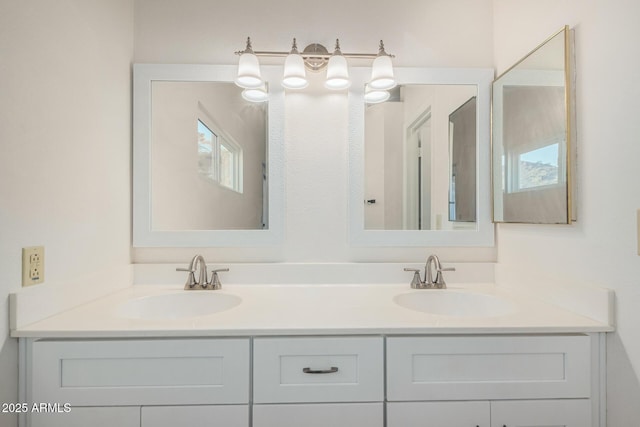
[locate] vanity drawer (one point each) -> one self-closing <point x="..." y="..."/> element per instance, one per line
<point x="141" y="372"/>
<point x="318" y="370"/>
<point x="488" y="367"/>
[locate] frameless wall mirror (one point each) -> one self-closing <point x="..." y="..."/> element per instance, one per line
<point x="204" y="170"/>
<point x="533" y="136"/>
<point x="419" y="161"/>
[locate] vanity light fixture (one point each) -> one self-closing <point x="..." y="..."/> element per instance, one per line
<point x="315" y="57"/>
<point x="295" y="76"/>
<point x="337" y="71"/>
<point x="248" y="69"/>
<point x="382" y="71"/>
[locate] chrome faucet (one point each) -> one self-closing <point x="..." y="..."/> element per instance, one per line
<point x="198" y="265"/>
<point x="192" y="283"/>
<point x="429" y="282"/>
<point x="438" y="282"/>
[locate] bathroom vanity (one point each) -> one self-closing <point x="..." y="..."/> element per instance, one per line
<point x="486" y="380"/>
<point x="316" y="355"/>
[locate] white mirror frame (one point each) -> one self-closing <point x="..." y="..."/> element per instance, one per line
<point x="143" y="234"/>
<point x="483" y="235"/>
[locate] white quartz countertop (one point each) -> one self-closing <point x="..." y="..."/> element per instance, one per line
<point x="309" y="310"/>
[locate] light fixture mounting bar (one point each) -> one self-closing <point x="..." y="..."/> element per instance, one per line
<point x="275" y="54"/>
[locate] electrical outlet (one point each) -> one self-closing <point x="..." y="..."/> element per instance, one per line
<point x="32" y="265"/>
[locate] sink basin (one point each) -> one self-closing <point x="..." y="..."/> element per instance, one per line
<point x="452" y="303"/>
<point x="177" y="305"/>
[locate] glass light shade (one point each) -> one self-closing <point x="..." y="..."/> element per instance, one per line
<point x="295" y="76"/>
<point x="375" y="96"/>
<point x="248" y="72"/>
<point x="382" y="73"/>
<point x="337" y="73"/>
<point x="259" y="94"/>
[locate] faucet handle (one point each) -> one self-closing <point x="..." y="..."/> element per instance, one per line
<point x="416" y="281"/>
<point x="215" y="280"/>
<point x="439" y="282"/>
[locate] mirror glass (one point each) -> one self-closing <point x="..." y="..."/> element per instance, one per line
<point x="420" y="161"/>
<point x="207" y="163"/>
<point x="533" y="148"/>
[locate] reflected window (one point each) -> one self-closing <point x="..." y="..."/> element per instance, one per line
<point x="534" y="168"/>
<point x="207" y="141"/>
<point x="230" y="165"/>
<point x="219" y="158"/>
<point x="538" y="168"/>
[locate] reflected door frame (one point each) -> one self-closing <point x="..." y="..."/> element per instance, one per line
<point x="417" y="176"/>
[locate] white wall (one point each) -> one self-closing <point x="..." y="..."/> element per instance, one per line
<point x="65" y="133"/>
<point x="429" y="33"/>
<point x="601" y="247"/>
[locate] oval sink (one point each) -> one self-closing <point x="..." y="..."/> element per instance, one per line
<point x="177" y="305"/>
<point x="451" y="303"/>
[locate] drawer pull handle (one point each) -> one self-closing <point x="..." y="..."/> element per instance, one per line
<point x="331" y="370"/>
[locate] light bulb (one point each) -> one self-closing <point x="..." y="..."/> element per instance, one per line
<point x="375" y="96"/>
<point x="259" y="94"/>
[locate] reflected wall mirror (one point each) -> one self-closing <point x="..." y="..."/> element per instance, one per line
<point x="207" y="163"/>
<point x="419" y="162"/>
<point x="533" y="136"/>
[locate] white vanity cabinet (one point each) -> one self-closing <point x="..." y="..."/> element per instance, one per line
<point x="319" y="381"/>
<point x="535" y="380"/>
<point x="474" y="381"/>
<point x="140" y="382"/>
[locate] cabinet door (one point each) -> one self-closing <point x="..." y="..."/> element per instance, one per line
<point x="128" y="416"/>
<point x="319" y="415"/>
<point x="438" y="414"/>
<point x="195" y="416"/>
<point x="541" y="413"/>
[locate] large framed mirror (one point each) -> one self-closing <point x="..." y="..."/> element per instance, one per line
<point x="207" y="163"/>
<point x="420" y="161"/>
<point x="533" y="137"/>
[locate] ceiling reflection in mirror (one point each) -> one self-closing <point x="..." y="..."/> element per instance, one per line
<point x="420" y="156"/>
<point x="208" y="158"/>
